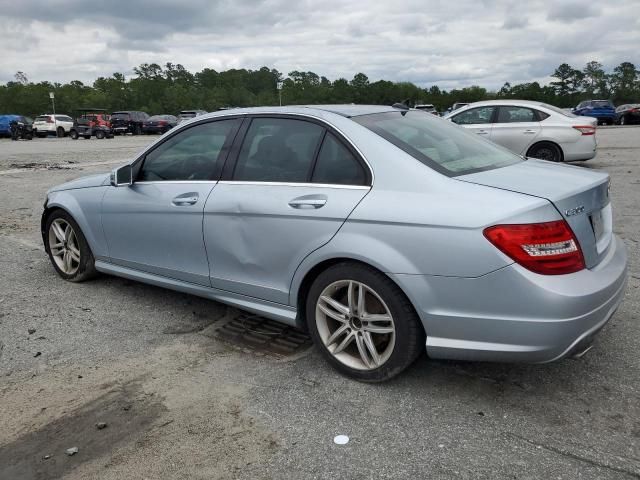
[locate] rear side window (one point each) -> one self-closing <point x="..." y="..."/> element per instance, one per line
<point x="337" y="165"/>
<point x="192" y="154"/>
<point x="278" y="150"/>
<point x="474" y="116"/>
<point x="516" y="115"/>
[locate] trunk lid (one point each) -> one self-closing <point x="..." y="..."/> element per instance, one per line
<point x="579" y="194"/>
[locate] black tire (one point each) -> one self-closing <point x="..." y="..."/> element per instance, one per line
<point x="546" y="151"/>
<point x="137" y="130"/>
<point x="29" y="136"/>
<point x="409" y="333"/>
<point x="99" y="134"/>
<point x="623" y="120"/>
<point x="60" y="132"/>
<point x="86" y="267"/>
<point x="73" y="134"/>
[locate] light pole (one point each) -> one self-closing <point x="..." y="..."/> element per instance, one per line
<point x="55" y="120"/>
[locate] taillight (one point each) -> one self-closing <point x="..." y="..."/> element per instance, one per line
<point x="162" y="122"/>
<point x="585" y="129"/>
<point x="548" y="248"/>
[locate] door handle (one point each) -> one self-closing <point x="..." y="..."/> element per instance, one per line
<point x="482" y="132"/>
<point x="529" y="131"/>
<point x="308" y="202"/>
<point x="190" y="198"/>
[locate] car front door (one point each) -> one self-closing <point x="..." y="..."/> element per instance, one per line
<point x="155" y="224"/>
<point x="288" y="190"/>
<point x="515" y="128"/>
<point x="478" y="120"/>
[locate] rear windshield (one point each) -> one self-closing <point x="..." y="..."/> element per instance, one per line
<point x="441" y="145"/>
<point x="601" y="103"/>
<point x="42" y="118"/>
<point x="187" y="114"/>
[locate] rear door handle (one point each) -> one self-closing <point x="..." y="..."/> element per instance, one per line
<point x="482" y="132"/>
<point x="529" y="131"/>
<point x="308" y="202"/>
<point x="190" y="198"/>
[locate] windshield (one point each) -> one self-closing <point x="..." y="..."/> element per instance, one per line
<point x="441" y="145"/>
<point x="120" y="116"/>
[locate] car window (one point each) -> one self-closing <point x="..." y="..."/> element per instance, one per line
<point x="192" y="154"/>
<point x="542" y="115"/>
<point x="474" y="116"/>
<point x="602" y="104"/>
<point x="511" y="114"/>
<point x="444" y="147"/>
<point x="42" y="118"/>
<point x="278" y="150"/>
<point x="336" y="164"/>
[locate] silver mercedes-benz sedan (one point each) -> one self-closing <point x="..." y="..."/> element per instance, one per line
<point x="533" y="129"/>
<point x="378" y="229"/>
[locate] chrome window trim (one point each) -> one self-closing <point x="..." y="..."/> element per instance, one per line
<point x="177" y="129"/>
<point x="296" y="184"/>
<point x="149" y="182"/>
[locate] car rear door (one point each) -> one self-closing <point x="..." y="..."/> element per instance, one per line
<point x="515" y="128"/>
<point x="155" y="224"/>
<point x="478" y="120"/>
<point x="289" y="185"/>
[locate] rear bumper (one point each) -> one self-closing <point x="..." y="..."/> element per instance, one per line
<point x="514" y="315"/>
<point x="583" y="149"/>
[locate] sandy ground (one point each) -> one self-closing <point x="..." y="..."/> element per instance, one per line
<point x="180" y="403"/>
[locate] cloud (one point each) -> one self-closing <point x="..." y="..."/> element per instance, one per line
<point x="452" y="44"/>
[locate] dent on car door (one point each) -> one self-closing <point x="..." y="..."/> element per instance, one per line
<point x="478" y="120"/>
<point x="293" y="185"/>
<point x="515" y="128"/>
<point x="155" y="225"/>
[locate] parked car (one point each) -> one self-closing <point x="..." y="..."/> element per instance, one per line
<point x="91" y="122"/>
<point x="159" y="124"/>
<point x="379" y="229"/>
<point x="21" y="128"/>
<point x="58" y="125"/>
<point x="188" y="114"/>
<point x="602" y="110"/>
<point x="128" y="122"/>
<point x="426" y="107"/>
<point x="628" y="114"/>
<point x="455" y="106"/>
<point x="5" y="124"/>
<point x="532" y="129"/>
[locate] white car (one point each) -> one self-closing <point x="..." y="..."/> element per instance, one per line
<point x="531" y="129"/>
<point x="60" y="125"/>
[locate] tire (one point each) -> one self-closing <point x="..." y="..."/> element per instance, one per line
<point x="399" y="342"/>
<point x="137" y="130"/>
<point x="545" y="151"/>
<point x="60" y="132"/>
<point x="99" y="134"/>
<point x="74" y="261"/>
<point x="29" y="136"/>
<point x="73" y="134"/>
<point x="623" y="120"/>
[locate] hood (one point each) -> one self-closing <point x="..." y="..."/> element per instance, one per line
<point x="83" y="182"/>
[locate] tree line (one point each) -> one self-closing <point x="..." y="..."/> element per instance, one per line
<point x="170" y="88"/>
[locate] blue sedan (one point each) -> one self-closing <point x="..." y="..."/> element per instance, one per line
<point x="383" y="231"/>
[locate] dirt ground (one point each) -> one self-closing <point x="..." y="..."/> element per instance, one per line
<point x="179" y="401"/>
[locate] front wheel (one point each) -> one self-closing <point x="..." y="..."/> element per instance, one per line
<point x="68" y="249"/>
<point x="60" y="132"/>
<point x="623" y="120"/>
<point x="99" y="134"/>
<point x="545" y="151"/>
<point x="73" y="134"/>
<point x="363" y="323"/>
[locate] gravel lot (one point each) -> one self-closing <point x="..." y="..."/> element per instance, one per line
<point x="180" y="403"/>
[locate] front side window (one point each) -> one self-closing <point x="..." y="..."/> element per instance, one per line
<point x="278" y="150"/>
<point x="516" y="115"/>
<point x="192" y="154"/>
<point x="446" y="148"/>
<point x="474" y="116"/>
<point x="337" y="165"/>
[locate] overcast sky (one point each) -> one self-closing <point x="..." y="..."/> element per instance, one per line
<point x="450" y="43"/>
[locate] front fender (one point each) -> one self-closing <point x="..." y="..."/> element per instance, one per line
<point x="84" y="205"/>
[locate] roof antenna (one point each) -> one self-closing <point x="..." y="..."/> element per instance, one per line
<point x="402" y="106"/>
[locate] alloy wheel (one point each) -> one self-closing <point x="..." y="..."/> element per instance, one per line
<point x="355" y="325"/>
<point x="64" y="247"/>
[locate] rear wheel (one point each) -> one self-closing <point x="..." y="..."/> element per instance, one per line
<point x="623" y="120"/>
<point x="545" y="151"/>
<point x="137" y="130"/>
<point x="60" y="132"/>
<point x="99" y="134"/>
<point x="73" y="134"/>
<point x="68" y="249"/>
<point x="363" y="323"/>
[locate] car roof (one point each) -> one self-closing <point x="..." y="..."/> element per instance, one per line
<point x="349" y="110"/>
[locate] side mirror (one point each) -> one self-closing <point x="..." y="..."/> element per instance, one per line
<point x="122" y="176"/>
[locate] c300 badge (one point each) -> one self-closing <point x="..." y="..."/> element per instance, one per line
<point x="574" y="211"/>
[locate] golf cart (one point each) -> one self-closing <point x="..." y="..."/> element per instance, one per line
<point x="91" y="122"/>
